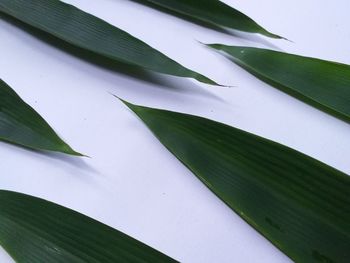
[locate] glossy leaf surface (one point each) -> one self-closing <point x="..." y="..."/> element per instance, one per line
<point x="35" y="230"/>
<point x="321" y="83"/>
<point x="22" y="125"/>
<point x="300" y="204"/>
<point x="213" y="12"/>
<point x="88" y="32"/>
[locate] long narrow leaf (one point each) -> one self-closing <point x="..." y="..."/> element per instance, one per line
<point x="300" y="204"/>
<point x="21" y="125"/>
<point x="213" y="12"/>
<point x="88" y="32"/>
<point x="35" y="230"/>
<point x="321" y="83"/>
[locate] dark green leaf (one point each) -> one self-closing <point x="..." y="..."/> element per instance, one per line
<point x="88" y="32"/>
<point x="21" y="125"/>
<point x="213" y="12"/>
<point x="323" y="84"/>
<point x="34" y="230"/>
<point x="300" y="204"/>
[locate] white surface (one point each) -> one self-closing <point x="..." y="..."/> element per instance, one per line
<point x="131" y="182"/>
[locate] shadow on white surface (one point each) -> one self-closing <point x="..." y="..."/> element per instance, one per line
<point x="132" y="182"/>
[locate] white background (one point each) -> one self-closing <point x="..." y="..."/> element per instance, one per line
<point x="132" y="182"/>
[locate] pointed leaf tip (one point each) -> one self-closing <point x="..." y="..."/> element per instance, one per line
<point x="90" y="33"/>
<point x="295" y="201"/>
<point x="21" y="125"/>
<point x="320" y="83"/>
<point x="132" y="107"/>
<point x="212" y="12"/>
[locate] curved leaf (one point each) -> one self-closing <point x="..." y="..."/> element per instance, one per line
<point x="213" y="12"/>
<point x="21" y="125"/>
<point x="35" y="230"/>
<point x="88" y="32"/>
<point x="300" y="204"/>
<point x="321" y="83"/>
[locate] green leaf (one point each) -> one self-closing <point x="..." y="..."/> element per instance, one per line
<point x="323" y="84"/>
<point x="298" y="203"/>
<point x="35" y="230"/>
<point x="90" y="33"/>
<point x="22" y="125"/>
<point x="213" y="12"/>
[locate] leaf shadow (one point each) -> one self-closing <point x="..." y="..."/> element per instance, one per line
<point x="73" y="161"/>
<point x="253" y="37"/>
<point x="106" y="63"/>
<point x="256" y="38"/>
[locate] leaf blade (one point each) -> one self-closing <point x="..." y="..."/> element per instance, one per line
<point x="214" y="12"/>
<point x="323" y="84"/>
<point x="35" y="230"/>
<point x="298" y="203"/>
<point x="21" y="125"/>
<point x="88" y="32"/>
